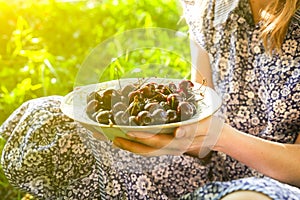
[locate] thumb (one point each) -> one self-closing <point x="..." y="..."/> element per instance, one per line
<point x="186" y="131"/>
<point x="191" y="130"/>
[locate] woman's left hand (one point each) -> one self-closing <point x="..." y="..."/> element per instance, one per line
<point x="185" y="139"/>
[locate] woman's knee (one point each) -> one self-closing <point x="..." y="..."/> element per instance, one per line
<point x="246" y="195"/>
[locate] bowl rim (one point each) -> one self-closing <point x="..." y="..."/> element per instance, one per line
<point x="67" y="104"/>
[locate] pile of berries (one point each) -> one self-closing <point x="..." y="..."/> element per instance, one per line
<point x="143" y="104"/>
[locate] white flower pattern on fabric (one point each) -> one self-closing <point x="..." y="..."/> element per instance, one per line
<point x="261" y="97"/>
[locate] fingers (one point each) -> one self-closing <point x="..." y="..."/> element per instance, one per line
<point x="162" y="141"/>
<point x="159" y="144"/>
<point x="188" y="131"/>
<point x="132" y="146"/>
<point x="192" y="130"/>
<point x="184" y="139"/>
<point x="150" y="139"/>
<point x="99" y="136"/>
<point x="142" y="149"/>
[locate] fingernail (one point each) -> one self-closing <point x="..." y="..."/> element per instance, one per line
<point x="131" y="134"/>
<point x="180" y="133"/>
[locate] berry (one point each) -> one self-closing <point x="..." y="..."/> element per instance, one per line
<point x="159" y="116"/>
<point x="185" y="111"/>
<point x="132" y="121"/>
<point x="121" y="118"/>
<point x="110" y="97"/>
<point x="151" y="107"/>
<point x="172" y="116"/>
<point x="103" y="117"/>
<point x="147" y="91"/>
<point x="92" y="106"/>
<point x="127" y="89"/>
<point x="119" y="106"/>
<point x="173" y="100"/>
<point x="144" y="118"/>
<point x="93" y="96"/>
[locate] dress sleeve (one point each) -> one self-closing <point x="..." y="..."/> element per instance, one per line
<point x="11" y="122"/>
<point x="198" y="15"/>
<point x="44" y="154"/>
<point x="207" y="20"/>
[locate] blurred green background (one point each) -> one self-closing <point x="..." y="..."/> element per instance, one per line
<point x="44" y="42"/>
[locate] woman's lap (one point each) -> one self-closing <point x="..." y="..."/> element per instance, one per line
<point x="270" y="187"/>
<point x="50" y="156"/>
<point x="43" y="156"/>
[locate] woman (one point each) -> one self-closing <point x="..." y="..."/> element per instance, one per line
<point x="260" y="88"/>
<point x="254" y="66"/>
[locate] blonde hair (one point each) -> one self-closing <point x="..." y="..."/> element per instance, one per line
<point x="276" y="19"/>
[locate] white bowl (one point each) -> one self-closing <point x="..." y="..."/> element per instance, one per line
<point x="74" y="104"/>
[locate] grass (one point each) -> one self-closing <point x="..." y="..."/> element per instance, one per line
<point x="43" y="44"/>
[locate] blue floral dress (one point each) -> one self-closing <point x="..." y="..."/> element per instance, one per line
<point x="53" y="157"/>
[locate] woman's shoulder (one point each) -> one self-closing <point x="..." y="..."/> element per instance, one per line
<point x="296" y="18"/>
<point x="216" y="10"/>
<point x="223" y="9"/>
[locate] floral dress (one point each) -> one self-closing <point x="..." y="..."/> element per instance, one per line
<point x="53" y="157"/>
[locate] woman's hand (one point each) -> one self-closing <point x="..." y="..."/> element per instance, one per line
<point x="185" y="139"/>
